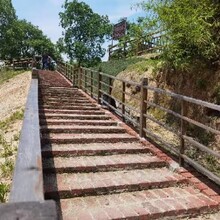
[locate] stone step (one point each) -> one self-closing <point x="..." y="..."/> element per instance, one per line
<point x="101" y="163"/>
<point x="43" y="96"/>
<point x="68" y="185"/>
<point x="69" y="102"/>
<point x="67" y="105"/>
<point x="60" y="88"/>
<point x="81" y="112"/>
<point x="57" y="99"/>
<point x="77" y="122"/>
<point x="92" y="149"/>
<point x="74" y="116"/>
<point x="167" y="203"/>
<point x="60" y="92"/>
<point x="93" y="107"/>
<point x="77" y="129"/>
<point x="86" y="138"/>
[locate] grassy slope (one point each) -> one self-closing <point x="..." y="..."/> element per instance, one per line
<point x="6" y="75"/>
<point x="7" y="151"/>
<point x="113" y="67"/>
<point x="139" y="66"/>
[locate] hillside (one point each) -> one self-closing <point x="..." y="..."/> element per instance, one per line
<point x="200" y="82"/>
<point x="13" y="93"/>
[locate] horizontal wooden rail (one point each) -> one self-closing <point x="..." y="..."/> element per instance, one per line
<point x="185" y="98"/>
<point x="154" y="41"/>
<point x="99" y="84"/>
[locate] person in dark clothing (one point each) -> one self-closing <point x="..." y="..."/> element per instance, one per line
<point x="45" y="61"/>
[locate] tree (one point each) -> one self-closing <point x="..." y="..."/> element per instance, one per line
<point x="22" y="39"/>
<point x="190" y="27"/>
<point x="19" y="38"/>
<point x="84" y="32"/>
<point x="7" y="17"/>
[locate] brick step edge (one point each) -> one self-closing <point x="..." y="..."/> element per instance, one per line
<point x="86" y="140"/>
<point x="77" y="122"/>
<point x="104" y="190"/>
<point x="95" y="130"/>
<point x="105" y="168"/>
<point x="90" y="152"/>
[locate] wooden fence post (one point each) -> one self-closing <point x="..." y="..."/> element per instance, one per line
<point x="80" y="77"/>
<point x="110" y="84"/>
<point x="99" y="87"/>
<point x="85" y="80"/>
<point x="124" y="50"/>
<point x="182" y="131"/>
<point x="123" y="101"/>
<point x="109" y="53"/>
<point x="143" y="107"/>
<point x="65" y="69"/>
<point x="91" y="83"/>
<point x="74" y="76"/>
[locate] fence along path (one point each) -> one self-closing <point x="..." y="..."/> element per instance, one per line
<point x="96" y="167"/>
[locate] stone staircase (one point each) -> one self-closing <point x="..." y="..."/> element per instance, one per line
<point x="96" y="167"/>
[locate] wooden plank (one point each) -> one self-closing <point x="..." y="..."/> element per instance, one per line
<point x="27" y="184"/>
<point x="185" y="98"/>
<point x="202" y="147"/>
<point x="127" y="106"/>
<point x="162" y="124"/>
<point x="123" y="101"/>
<point x="185" y="118"/>
<point x="29" y="211"/>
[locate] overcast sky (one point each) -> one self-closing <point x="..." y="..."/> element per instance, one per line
<point x="44" y="13"/>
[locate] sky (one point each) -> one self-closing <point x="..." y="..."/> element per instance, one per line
<point x="45" y="13"/>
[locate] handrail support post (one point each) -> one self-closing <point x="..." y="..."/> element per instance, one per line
<point x="143" y="107"/>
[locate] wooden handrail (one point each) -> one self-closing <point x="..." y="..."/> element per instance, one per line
<point x="27" y="184"/>
<point x="101" y="83"/>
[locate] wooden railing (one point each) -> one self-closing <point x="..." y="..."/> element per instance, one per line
<point x="153" y="42"/>
<point x="23" y="63"/>
<point x="26" y="200"/>
<point x="100" y="86"/>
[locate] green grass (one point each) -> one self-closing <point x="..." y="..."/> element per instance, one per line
<point x="18" y="115"/>
<point x="8" y="150"/>
<point x="7" y="168"/>
<point x="4" y="189"/>
<point x="113" y="67"/>
<point x="8" y="74"/>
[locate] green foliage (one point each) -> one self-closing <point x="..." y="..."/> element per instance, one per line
<point x="113" y="67"/>
<point x="4" y="189"/>
<point x="189" y="26"/>
<point x="84" y="33"/>
<point x="20" y="38"/>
